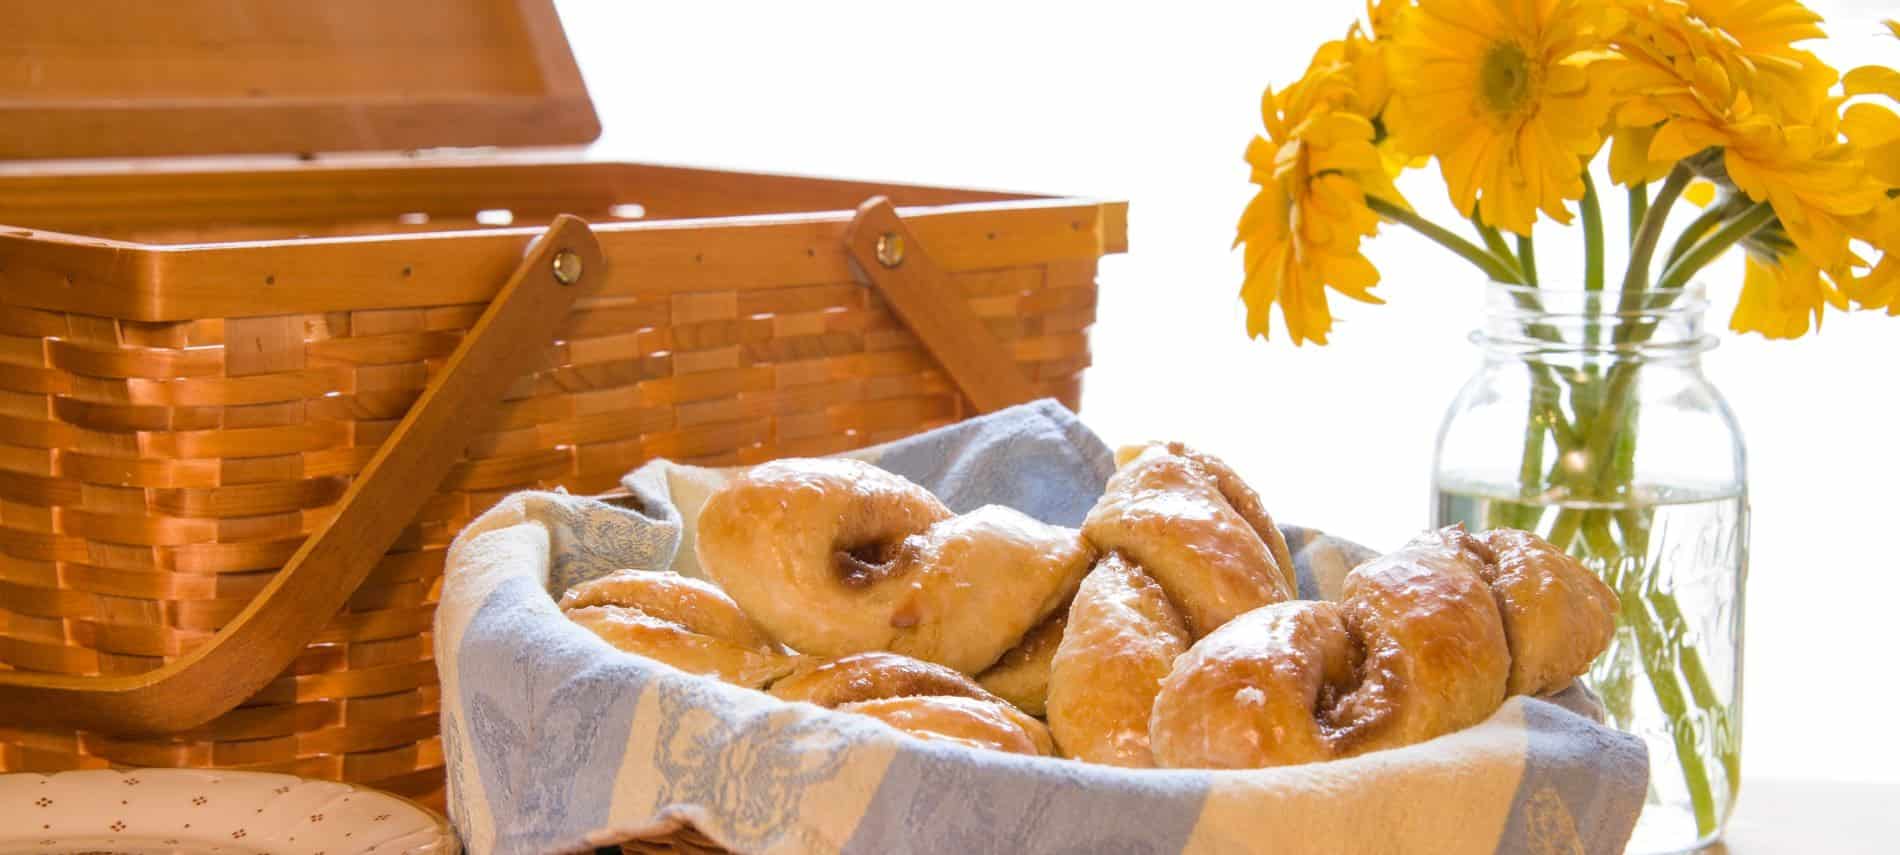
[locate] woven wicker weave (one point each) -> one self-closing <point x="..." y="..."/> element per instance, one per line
<point x="157" y="466"/>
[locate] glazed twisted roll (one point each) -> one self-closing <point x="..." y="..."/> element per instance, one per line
<point x="1425" y="641"/>
<point x="923" y="699"/>
<point x="870" y="676"/>
<point x="685" y="623"/>
<point x="1189" y="521"/>
<point x="1558" y="616"/>
<point x="1187" y="546"/>
<point x="836" y="556"/>
<point x="1122" y="639"/>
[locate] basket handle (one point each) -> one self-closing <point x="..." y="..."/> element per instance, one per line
<point x="889" y="258"/>
<point x="263" y="639"/>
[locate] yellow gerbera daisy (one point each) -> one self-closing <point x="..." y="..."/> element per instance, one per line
<point x="1760" y="37"/>
<point x="1501" y="92"/>
<point x="1879" y="287"/>
<point x="1689" y="88"/>
<point x="1780" y="295"/>
<point x="1315" y="167"/>
<point x="1875" y="130"/>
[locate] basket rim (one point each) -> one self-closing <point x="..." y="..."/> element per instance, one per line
<point x="149" y="282"/>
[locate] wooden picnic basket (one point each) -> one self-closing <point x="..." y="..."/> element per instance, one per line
<point x="246" y="404"/>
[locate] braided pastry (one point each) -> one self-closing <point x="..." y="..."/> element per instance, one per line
<point x="1187" y="520"/>
<point x="837" y="556"/>
<point x="685" y="623"/>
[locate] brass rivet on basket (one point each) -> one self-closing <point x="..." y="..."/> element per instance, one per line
<point x="567" y="267"/>
<point x="890" y="249"/>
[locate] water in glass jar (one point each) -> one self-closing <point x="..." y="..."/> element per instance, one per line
<point x="1672" y="674"/>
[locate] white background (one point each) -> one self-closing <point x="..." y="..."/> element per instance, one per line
<point x="1153" y="103"/>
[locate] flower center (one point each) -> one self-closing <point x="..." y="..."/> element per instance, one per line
<point x="1504" y="79"/>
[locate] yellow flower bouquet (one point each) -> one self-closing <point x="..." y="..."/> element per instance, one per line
<point x="1515" y="98"/>
<point x="1715" y="103"/>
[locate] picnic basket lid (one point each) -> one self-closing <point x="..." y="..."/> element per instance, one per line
<point x="133" y="78"/>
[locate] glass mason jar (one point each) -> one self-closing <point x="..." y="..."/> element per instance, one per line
<point x="1589" y="421"/>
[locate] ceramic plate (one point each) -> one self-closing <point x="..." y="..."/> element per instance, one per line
<point x="193" y="811"/>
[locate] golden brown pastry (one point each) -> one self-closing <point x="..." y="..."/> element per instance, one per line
<point x="977" y="723"/>
<point x="1415" y="650"/>
<point x="1022" y="675"/>
<point x="921" y="698"/>
<point x="1260" y="691"/>
<point x="1558" y="616"/>
<point x="685" y="623"/>
<point x="869" y="676"/>
<point x="1427" y="620"/>
<point x="1187" y="520"/>
<point x="836" y="556"/>
<point x="1122" y="639"/>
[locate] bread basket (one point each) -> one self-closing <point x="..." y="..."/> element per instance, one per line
<point x="558" y="741"/>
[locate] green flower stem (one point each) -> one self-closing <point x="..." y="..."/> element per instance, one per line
<point x="1709" y="248"/>
<point x="1695" y="773"/>
<point x="1622" y="566"/>
<point x="1654" y="656"/>
<point x="1499" y="250"/>
<point x="1635" y="528"/>
<point x="1527" y="259"/>
<point x="1491" y="266"/>
<point x="1614" y="425"/>
<point x="1643" y="247"/>
<point x="1639" y="208"/>
<point x="1605" y="413"/>
<point x="1650" y="614"/>
<point x="1564" y="529"/>
<point x="1499" y="272"/>
<point x="1438" y="234"/>
<point x="1532" y="466"/>
<point x="1710" y="217"/>
<point x="1592" y="236"/>
<point x="1543" y="415"/>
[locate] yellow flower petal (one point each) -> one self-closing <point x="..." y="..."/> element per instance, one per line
<point x="1700" y="192"/>
<point x="1872" y="80"/>
<point x="1779" y="297"/>
<point x="1883" y="164"/>
<point x="1629" y="157"/>
<point x="1870" y="125"/>
<point x="1681" y="138"/>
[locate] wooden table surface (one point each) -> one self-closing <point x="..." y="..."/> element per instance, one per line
<point x="1776" y="816"/>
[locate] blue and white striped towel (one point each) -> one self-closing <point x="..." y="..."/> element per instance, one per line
<point x="557" y="742"/>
